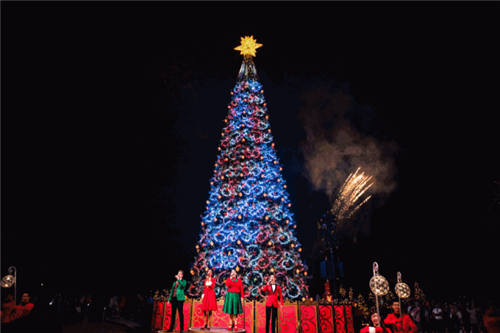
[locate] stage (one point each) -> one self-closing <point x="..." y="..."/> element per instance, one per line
<point x="293" y="317"/>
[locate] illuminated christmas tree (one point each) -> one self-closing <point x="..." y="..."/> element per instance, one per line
<point x="248" y="224"/>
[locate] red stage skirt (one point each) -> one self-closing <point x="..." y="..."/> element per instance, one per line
<point x="209" y="302"/>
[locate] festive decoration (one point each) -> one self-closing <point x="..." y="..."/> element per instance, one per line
<point x="418" y="292"/>
<point x="351" y="294"/>
<point x="362" y="308"/>
<point x="7" y="281"/>
<point x="342" y="292"/>
<point x="378" y="285"/>
<point x="248" y="46"/>
<point x="10" y="280"/>
<point x="401" y="288"/>
<point x="247" y="224"/>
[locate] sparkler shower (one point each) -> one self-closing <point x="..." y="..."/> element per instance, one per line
<point x="349" y="195"/>
<point x="335" y="146"/>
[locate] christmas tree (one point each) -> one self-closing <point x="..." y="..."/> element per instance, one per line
<point x="247" y="224"/>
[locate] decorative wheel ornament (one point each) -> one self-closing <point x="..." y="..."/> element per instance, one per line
<point x="8" y="281"/>
<point x="379" y="285"/>
<point x="401" y="288"/>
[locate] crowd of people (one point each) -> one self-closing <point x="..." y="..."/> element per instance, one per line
<point x="50" y="313"/>
<point x="456" y="316"/>
<point x="460" y="316"/>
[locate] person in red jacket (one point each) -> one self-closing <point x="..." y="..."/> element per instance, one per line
<point x="232" y="303"/>
<point x="491" y="318"/>
<point x="378" y="326"/>
<point x="8" y="309"/>
<point x="209" y="301"/>
<point x="400" y="323"/>
<point x="272" y="292"/>
<point x="24" y="308"/>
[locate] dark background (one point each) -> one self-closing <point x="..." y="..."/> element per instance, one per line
<point x="111" y="115"/>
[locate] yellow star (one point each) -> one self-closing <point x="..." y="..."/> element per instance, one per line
<point x="248" y="46"/>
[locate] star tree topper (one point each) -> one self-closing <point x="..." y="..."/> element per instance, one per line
<point x="248" y="46"/>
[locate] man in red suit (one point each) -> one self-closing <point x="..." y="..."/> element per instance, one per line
<point x="272" y="292"/>
<point x="399" y="323"/>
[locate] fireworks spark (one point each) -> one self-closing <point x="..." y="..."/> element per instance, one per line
<point x="349" y="199"/>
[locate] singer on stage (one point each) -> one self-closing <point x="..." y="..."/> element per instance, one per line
<point x="232" y="303"/>
<point x="176" y="299"/>
<point x="272" y="292"/>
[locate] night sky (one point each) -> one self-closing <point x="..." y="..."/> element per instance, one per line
<point x="112" y="113"/>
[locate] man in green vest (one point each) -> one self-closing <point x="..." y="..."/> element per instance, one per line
<point x="176" y="299"/>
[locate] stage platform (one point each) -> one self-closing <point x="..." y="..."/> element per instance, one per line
<point x="293" y="317"/>
<point x="214" y="330"/>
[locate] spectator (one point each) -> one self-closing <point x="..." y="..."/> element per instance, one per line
<point x="473" y="322"/>
<point x="123" y="302"/>
<point x="89" y="309"/>
<point x="437" y="323"/>
<point x="426" y="318"/>
<point x="114" y="305"/>
<point x="454" y="319"/>
<point x="415" y="314"/>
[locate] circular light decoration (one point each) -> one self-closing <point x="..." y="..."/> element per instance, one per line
<point x="378" y="284"/>
<point x="292" y="290"/>
<point x="401" y="288"/>
<point x="8" y="281"/>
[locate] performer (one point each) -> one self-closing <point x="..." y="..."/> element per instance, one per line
<point x="24" y="308"/>
<point x="378" y="326"/>
<point x="273" y="291"/>
<point x="8" y="309"/>
<point x="399" y="323"/>
<point x="176" y="299"/>
<point x="209" y="301"/>
<point x="232" y="302"/>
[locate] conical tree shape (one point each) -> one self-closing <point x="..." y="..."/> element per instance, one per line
<point x="248" y="224"/>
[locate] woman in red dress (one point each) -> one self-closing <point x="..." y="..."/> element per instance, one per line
<point x="208" y="299"/>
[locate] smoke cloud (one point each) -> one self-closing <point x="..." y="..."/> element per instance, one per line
<point x="335" y="144"/>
